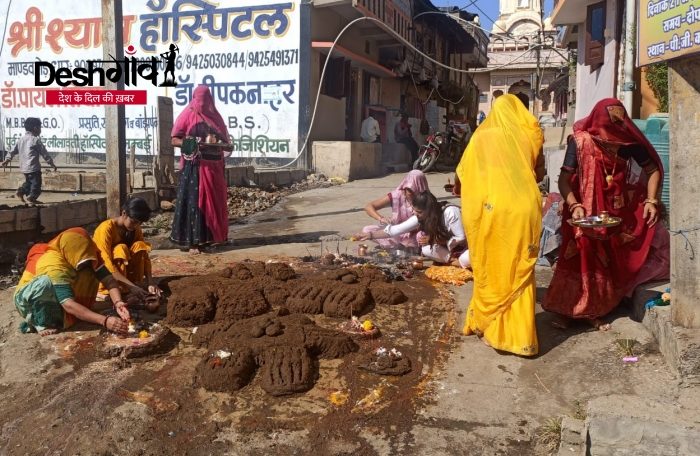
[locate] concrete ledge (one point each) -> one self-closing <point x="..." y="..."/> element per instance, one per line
<point x="95" y="181"/>
<point x="11" y="180"/>
<point x="148" y="195"/>
<point x="57" y="217"/>
<point x="679" y="346"/>
<point x="298" y="175"/>
<point x="83" y="182"/>
<point x="556" y="136"/>
<point x="347" y="160"/>
<point x="278" y="177"/>
<point x="265" y="178"/>
<point x="60" y="182"/>
<point x="240" y="176"/>
<point x="572" y="441"/>
<point x="395" y="153"/>
<point x="628" y="424"/>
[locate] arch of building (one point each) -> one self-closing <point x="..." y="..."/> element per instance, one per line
<point x="523" y="90"/>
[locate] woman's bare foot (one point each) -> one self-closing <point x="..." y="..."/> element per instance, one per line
<point x="194" y="251"/>
<point x="599" y="324"/>
<point x="486" y="342"/>
<point x="560" y="322"/>
<point x="48" y="332"/>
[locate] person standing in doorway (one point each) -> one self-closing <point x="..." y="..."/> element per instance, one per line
<point x="29" y="148"/>
<point x="370" y="131"/>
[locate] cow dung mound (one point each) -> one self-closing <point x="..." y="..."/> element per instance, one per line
<point x="386" y="364"/>
<point x="387" y="294"/>
<point x="250" y="318"/>
<point x="284" y="349"/>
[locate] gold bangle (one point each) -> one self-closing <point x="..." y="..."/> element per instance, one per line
<point x="653" y="201"/>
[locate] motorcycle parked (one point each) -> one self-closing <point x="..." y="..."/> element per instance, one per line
<point x="449" y="145"/>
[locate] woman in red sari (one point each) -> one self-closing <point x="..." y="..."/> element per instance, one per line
<point x="201" y="214"/>
<point x="598" y="267"/>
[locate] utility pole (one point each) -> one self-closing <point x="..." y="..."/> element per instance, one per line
<point x="538" y="75"/>
<point x="115" y="130"/>
<point x="628" y="67"/>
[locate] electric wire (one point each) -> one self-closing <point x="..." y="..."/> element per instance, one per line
<point x="405" y="43"/>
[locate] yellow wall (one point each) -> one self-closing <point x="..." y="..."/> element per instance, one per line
<point x="649" y="103"/>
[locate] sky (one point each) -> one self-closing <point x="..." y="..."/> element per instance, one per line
<point x="489" y="8"/>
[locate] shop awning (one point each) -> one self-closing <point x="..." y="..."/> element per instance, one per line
<point x="570" y="11"/>
<point x="356" y="59"/>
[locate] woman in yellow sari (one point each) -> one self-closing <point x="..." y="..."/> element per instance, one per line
<point x="124" y="249"/>
<point x="59" y="285"/>
<point x="502" y="213"/>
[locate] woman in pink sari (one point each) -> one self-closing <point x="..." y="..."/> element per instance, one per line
<point x="201" y="215"/>
<point x="401" y="210"/>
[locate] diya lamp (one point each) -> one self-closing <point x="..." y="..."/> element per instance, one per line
<point x="362" y="250"/>
<point x="417" y="264"/>
<point x="604" y="216"/>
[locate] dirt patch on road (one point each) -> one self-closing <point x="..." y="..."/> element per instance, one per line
<point x="278" y="373"/>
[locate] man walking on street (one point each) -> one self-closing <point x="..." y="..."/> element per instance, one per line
<point x="29" y="148"/>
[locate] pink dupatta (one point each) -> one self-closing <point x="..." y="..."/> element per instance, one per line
<point x="401" y="209"/>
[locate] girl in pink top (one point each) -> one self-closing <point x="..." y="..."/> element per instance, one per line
<point x="401" y="210"/>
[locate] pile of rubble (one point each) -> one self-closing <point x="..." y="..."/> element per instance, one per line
<point x="241" y="201"/>
<point x="244" y="201"/>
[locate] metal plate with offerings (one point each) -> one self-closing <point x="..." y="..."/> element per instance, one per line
<point x="596" y="221"/>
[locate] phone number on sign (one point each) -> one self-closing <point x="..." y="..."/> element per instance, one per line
<point x="280" y="57"/>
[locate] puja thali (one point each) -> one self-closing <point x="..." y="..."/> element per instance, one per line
<point x="143" y="338"/>
<point x="595" y="221"/>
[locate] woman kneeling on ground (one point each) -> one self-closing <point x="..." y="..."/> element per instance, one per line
<point x="124" y="250"/>
<point x="59" y="285"/>
<point x="399" y="201"/>
<point x="441" y="233"/>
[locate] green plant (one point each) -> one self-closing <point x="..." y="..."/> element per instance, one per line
<point x="657" y="78"/>
<point x="626" y="346"/>
<point x="549" y="435"/>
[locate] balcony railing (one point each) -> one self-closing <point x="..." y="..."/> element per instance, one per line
<point x="396" y="14"/>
